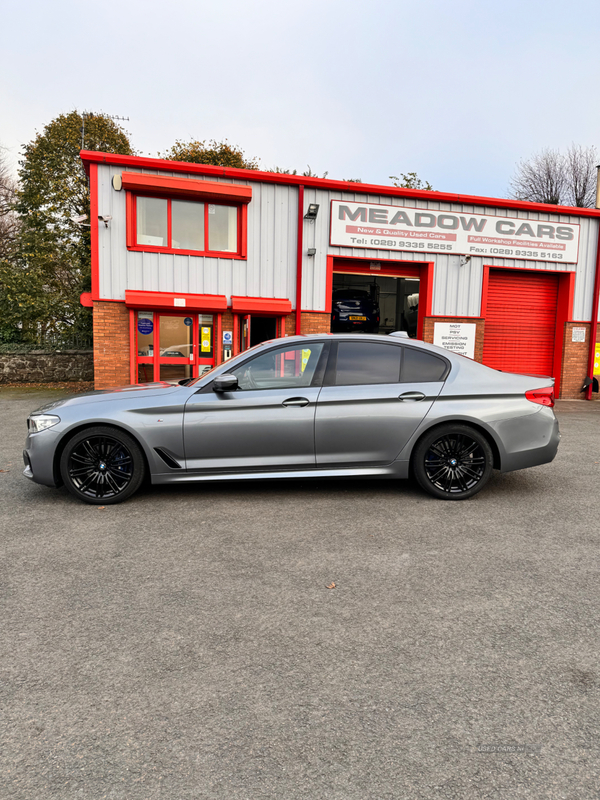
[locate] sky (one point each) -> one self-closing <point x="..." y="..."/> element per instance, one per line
<point x="456" y="91"/>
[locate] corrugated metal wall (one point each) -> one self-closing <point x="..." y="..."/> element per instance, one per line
<point x="270" y="270"/>
<point x="457" y="289"/>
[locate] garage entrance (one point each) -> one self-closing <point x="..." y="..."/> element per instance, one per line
<point x="386" y="303"/>
<point x="379" y="297"/>
<point x="520" y="321"/>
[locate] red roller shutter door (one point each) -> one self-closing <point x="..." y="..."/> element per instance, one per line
<point x="520" y="322"/>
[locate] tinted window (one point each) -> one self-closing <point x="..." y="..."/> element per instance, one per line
<point x="367" y="362"/>
<point x="421" y="367"/>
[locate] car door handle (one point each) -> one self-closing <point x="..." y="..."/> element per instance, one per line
<point x="412" y="396"/>
<point x="295" y="401"/>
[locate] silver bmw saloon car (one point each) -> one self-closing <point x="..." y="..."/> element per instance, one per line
<point x="344" y="405"/>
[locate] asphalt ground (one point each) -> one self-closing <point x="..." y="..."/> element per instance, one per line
<point x="185" y="644"/>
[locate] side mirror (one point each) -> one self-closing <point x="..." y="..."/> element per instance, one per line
<point x="225" y="383"/>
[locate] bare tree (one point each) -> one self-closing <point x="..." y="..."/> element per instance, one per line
<point x="541" y="179"/>
<point x="551" y="177"/>
<point x="9" y="223"/>
<point x="580" y="171"/>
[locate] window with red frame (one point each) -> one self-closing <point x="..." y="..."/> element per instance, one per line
<point x="186" y="226"/>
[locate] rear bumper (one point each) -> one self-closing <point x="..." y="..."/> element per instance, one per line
<point x="350" y="327"/>
<point x="527" y="441"/>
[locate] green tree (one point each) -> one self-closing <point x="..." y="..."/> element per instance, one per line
<point x="410" y="180"/>
<point x="41" y="282"/>
<point x="221" y="154"/>
<point x="308" y="173"/>
<point x="9" y="223"/>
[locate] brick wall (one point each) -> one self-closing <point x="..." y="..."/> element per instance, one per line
<point x="311" y="322"/>
<point x="429" y="322"/>
<point x="290" y="324"/>
<point x="111" y="345"/>
<point x="575" y="359"/>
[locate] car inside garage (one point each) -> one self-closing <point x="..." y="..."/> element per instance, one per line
<point x="372" y="303"/>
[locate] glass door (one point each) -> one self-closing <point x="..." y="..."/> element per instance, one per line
<point x="173" y="347"/>
<point x="176" y="354"/>
<point x="145" y="346"/>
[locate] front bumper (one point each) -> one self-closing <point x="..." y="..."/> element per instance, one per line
<point x="27" y="471"/>
<point x="38" y="456"/>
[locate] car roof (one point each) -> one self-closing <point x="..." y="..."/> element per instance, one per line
<point x="361" y="337"/>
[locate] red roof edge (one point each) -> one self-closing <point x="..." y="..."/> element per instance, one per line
<point x="142" y="162"/>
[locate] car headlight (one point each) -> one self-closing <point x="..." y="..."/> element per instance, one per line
<point x="39" y="422"/>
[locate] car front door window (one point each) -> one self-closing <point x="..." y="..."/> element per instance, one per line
<point x="287" y="368"/>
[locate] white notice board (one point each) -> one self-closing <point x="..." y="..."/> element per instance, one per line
<point x="459" y="337"/>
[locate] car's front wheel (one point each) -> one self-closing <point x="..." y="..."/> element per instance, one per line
<point x="102" y="465"/>
<point x="453" y="462"/>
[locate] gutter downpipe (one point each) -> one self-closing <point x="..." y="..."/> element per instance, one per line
<point x="299" y="259"/>
<point x="595" y="299"/>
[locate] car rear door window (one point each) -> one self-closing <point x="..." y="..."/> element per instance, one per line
<point x="361" y="363"/>
<point x="421" y="367"/>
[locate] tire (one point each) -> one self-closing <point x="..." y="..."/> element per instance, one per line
<point x="453" y="462"/>
<point x="102" y="466"/>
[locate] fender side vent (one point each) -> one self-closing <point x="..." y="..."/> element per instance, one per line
<point x="167" y="458"/>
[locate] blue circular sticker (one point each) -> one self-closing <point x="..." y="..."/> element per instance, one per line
<point x="188" y="320"/>
<point x="145" y="326"/>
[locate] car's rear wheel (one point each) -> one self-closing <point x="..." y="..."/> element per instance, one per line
<point x="102" y="466"/>
<point x="453" y="462"/>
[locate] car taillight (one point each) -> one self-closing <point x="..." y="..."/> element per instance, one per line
<point x="545" y="396"/>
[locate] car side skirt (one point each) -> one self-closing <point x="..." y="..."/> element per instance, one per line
<point x="398" y="470"/>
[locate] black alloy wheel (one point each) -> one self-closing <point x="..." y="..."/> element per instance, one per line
<point x="453" y="462"/>
<point x="102" y="466"/>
